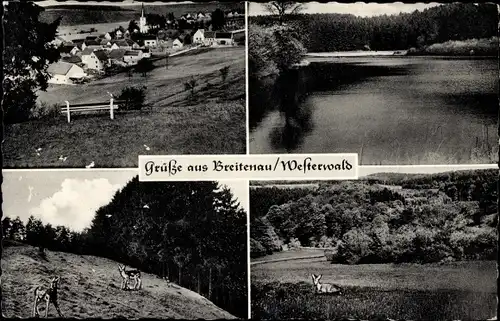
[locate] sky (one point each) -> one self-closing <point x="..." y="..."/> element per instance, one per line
<point x="359" y="8"/>
<point x="71" y="197"/>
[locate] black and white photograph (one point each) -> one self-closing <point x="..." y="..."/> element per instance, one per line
<point x="410" y="243"/>
<point x="397" y="83"/>
<point x="101" y="244"/>
<point x="97" y="83"/>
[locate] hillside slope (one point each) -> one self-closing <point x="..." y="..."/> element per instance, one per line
<point x="90" y="288"/>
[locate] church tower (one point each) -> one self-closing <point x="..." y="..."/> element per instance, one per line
<point x="143" y="27"/>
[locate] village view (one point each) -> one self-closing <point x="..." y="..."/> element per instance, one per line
<point x="150" y="36"/>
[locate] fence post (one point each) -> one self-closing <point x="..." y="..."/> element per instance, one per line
<point x="67" y="111"/>
<point x="111" y="110"/>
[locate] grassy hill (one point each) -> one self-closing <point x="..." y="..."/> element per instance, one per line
<point x="90" y="288"/>
<point x="86" y="14"/>
<point x="210" y="122"/>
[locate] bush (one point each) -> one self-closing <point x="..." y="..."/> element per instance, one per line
<point x="133" y="98"/>
<point x="44" y="111"/>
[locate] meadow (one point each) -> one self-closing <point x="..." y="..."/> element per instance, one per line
<point x="85" y="14"/>
<point x="450" y="291"/>
<point x="175" y="121"/>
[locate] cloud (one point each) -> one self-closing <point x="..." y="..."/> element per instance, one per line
<point x="75" y="204"/>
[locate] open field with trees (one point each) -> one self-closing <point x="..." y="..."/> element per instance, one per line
<point x="403" y="246"/>
<point x="191" y="233"/>
<point x="450" y="291"/>
<point x="207" y="118"/>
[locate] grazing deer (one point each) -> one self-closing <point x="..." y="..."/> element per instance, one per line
<point x="325" y="288"/>
<point x="130" y="275"/>
<point x="49" y="296"/>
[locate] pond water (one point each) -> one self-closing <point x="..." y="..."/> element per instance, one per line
<point x="389" y="110"/>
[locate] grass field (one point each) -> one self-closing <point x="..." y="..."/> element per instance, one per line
<point x="90" y="288"/>
<point x="212" y="121"/>
<point x="453" y="291"/>
<point x="91" y="14"/>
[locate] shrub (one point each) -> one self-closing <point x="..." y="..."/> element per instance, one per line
<point x="44" y="110"/>
<point x="133" y="98"/>
<point x="224" y="71"/>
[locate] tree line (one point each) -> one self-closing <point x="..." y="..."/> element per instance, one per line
<point x="452" y="217"/>
<point x="344" y="32"/>
<point x="193" y="233"/>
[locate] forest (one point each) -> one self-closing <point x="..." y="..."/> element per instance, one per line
<point x="383" y="218"/>
<point x="194" y="233"/>
<point x="344" y="32"/>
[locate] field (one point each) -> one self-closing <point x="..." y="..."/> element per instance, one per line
<point x="90" y="288"/>
<point x="85" y="14"/>
<point x="212" y="121"/>
<point x="462" y="290"/>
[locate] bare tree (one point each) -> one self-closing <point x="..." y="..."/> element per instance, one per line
<point x="282" y="8"/>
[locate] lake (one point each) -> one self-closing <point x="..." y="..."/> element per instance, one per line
<point x="389" y="110"/>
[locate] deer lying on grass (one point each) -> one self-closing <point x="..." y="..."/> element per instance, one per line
<point x="325" y="288"/>
<point x="130" y="275"/>
<point x="49" y="296"/>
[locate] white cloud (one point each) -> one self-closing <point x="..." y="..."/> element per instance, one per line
<point x="74" y="205"/>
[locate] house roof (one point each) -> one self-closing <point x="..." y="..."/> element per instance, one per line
<point x="59" y="68"/>
<point x="92" y="42"/>
<point x="72" y="59"/>
<point x="223" y="35"/>
<point x="209" y="34"/>
<point x="117" y="53"/>
<point x="177" y="39"/>
<point x="66" y="48"/>
<point x="87" y="51"/>
<point x="101" y="55"/>
<point x="133" y="53"/>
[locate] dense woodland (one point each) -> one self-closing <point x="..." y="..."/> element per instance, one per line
<point x="385" y="218"/>
<point x="342" y="32"/>
<point x="194" y="233"/>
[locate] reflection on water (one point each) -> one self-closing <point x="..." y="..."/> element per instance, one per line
<point x="389" y="110"/>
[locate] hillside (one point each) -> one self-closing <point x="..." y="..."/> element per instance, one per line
<point x="391" y="218"/>
<point x="85" y="14"/>
<point x="90" y="288"/>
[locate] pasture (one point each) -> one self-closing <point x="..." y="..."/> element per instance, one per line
<point x="451" y="291"/>
<point x="175" y="120"/>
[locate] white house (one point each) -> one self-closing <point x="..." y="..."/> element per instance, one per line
<point x="108" y="36"/>
<point x="209" y="38"/>
<point x="119" y="33"/>
<point x="150" y="42"/>
<point x="199" y="36"/>
<point x="223" y="39"/>
<point x="74" y="51"/>
<point x="95" y="60"/>
<point x="146" y="53"/>
<point x="131" y="57"/>
<point x="64" y="73"/>
<point x="177" y="44"/>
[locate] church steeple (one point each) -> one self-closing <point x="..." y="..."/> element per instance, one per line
<point x="143" y="25"/>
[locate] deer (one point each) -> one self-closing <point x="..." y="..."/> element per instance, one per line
<point x="325" y="288"/>
<point x="130" y="275"/>
<point x="48" y="295"/>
